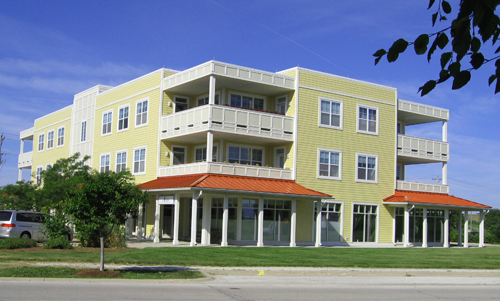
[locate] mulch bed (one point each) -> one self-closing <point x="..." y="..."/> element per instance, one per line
<point x="95" y="273"/>
<point x="75" y="249"/>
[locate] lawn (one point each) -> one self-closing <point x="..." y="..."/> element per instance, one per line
<point x="419" y="258"/>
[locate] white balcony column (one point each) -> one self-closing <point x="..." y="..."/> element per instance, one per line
<point x="260" y="224"/>
<point x="139" y="222"/>
<point x="175" y="240"/>
<point x="460" y="228"/>
<point x="21" y="148"/>
<point x="225" y="216"/>
<point x="194" y="213"/>
<point x="205" y="221"/>
<point x="424" y="230"/>
<point x="444" y="175"/>
<point x="210" y="146"/>
<point x="406" y="230"/>
<point x="445" y="131"/>
<point x="466" y="229"/>
<point x="21" y="151"/>
<point x="156" y="238"/>
<point x="319" y="207"/>
<point x="481" y="229"/>
<point x="293" y="224"/>
<point x="211" y="90"/>
<point x="446" y="230"/>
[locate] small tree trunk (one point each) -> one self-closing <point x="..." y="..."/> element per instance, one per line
<point x="102" y="254"/>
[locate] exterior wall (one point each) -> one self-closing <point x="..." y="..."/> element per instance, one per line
<point x="311" y="137"/>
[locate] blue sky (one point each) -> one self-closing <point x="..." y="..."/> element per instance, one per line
<point x="51" y="50"/>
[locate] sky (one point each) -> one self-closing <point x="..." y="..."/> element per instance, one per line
<point x="51" y="50"/>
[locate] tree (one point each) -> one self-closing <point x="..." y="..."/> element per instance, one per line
<point x="475" y="24"/>
<point x="103" y="201"/>
<point x="21" y="196"/>
<point x="492" y="222"/>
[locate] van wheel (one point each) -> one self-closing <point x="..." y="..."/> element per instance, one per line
<point x="25" y="235"/>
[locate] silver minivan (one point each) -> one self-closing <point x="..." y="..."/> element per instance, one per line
<point x="23" y="224"/>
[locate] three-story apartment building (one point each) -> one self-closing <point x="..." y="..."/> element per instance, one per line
<point x="234" y="155"/>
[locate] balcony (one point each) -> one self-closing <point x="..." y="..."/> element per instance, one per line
<point x="420" y="150"/>
<point x="27" y="134"/>
<point x="229" y="122"/>
<point x="226" y="169"/>
<point x="25" y="160"/>
<point x="417" y="113"/>
<point x="422" y="187"/>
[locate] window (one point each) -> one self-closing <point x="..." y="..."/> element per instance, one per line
<point x="277" y="215"/>
<point x="49" y="166"/>
<point x="367" y="120"/>
<point x="60" y="136"/>
<point x="281" y="104"/>
<point x="41" y="139"/>
<point x="364" y="223"/>
<point x="245" y="155"/>
<point x="50" y="139"/>
<point x="331" y="222"/>
<point x="121" y="161"/>
<point x="178" y="155"/>
<point x="39" y="175"/>
<point x="329" y="165"/>
<point x="200" y="154"/>
<point x="279" y="157"/>
<point x="399" y="171"/>
<point x="123" y="118"/>
<point x="83" y="136"/>
<point x="331" y="113"/>
<point x="107" y="118"/>
<point x="401" y="127"/>
<point x="181" y="104"/>
<point x="141" y="114"/>
<point x="367" y="168"/>
<point x="140" y="160"/>
<point x="104" y="167"/>
<point x="247" y="101"/>
<point x="204" y="100"/>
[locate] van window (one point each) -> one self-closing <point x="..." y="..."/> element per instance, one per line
<point x="5" y="216"/>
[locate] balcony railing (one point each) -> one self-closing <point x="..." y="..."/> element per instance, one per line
<point x="25" y="160"/>
<point x="422" y="187"/>
<point x="226" y="169"/>
<point x="422" y="109"/>
<point x="227" y="119"/>
<point x="27" y="133"/>
<point x="423" y="148"/>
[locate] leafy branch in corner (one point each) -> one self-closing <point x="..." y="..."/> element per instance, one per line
<point x="475" y="24"/>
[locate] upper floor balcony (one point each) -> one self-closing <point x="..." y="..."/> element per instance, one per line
<point x="229" y="123"/>
<point x="27" y="134"/>
<point x="25" y="160"/>
<point x="417" y="113"/>
<point x="422" y="187"/>
<point x="417" y="150"/>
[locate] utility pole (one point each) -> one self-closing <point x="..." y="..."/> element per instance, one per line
<point x="2" y="161"/>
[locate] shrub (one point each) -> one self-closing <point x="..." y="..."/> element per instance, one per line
<point x="17" y="243"/>
<point x="90" y="238"/>
<point x="58" y="243"/>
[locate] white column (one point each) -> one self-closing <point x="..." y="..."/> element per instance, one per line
<point x="225" y="216"/>
<point x="260" y="224"/>
<point x="139" y="222"/>
<point x="424" y="230"/>
<point x="466" y="229"/>
<point x="406" y="231"/>
<point x="460" y="228"/>
<point x="445" y="131"/>
<point x="205" y="221"/>
<point x="293" y="224"/>
<point x="20" y="175"/>
<point x="21" y="151"/>
<point x="210" y="145"/>
<point x="446" y="230"/>
<point x="211" y="90"/>
<point x="319" y="206"/>
<point x="444" y="173"/>
<point x="156" y="238"/>
<point x="175" y="240"/>
<point x="194" y="213"/>
<point x="481" y="229"/>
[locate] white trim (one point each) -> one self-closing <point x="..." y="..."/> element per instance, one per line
<point x="205" y="146"/>
<point x="126" y="98"/>
<point x="102" y="124"/>
<point x="38" y="181"/>
<point x="377" y="119"/>
<point x="341" y="232"/>
<point x="296" y="125"/>
<point x="172" y="153"/>
<point x="160" y="111"/>
<point x="249" y="146"/>
<point x="349" y="95"/>
<point x="116" y="158"/>
<point x="376" y="168"/>
<point x="264" y="98"/>
<point x="320" y="149"/>
<point x="53" y="135"/>
<point x="81" y="130"/>
<point x="142" y="100"/>
<point x="145" y="159"/>
<point x="63" y="136"/>
<point x="341" y="122"/>
<point x="284" y="153"/>
<point x="287" y="102"/>
<point x="378" y="220"/>
<point x="217" y="93"/>
<point x="174" y="107"/>
<point x="38" y="150"/>
<point x="118" y="118"/>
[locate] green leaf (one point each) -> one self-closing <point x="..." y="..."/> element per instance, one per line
<point x="443" y="18"/>
<point x="497" y="87"/>
<point x="398" y="47"/>
<point x="380" y="52"/>
<point x="444" y="75"/>
<point x="428" y="87"/>
<point x="454" y="68"/>
<point x="477" y="60"/>
<point x="492" y="79"/>
<point x="433" y="48"/>
<point x="443" y="40"/>
<point x="446" y="7"/>
<point x="461" y="80"/>
<point x="445" y="58"/>
<point x="475" y="45"/>
<point x="431" y="3"/>
<point x="498" y="49"/>
<point x="421" y="43"/>
<point x="434" y="18"/>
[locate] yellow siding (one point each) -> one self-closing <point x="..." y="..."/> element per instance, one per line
<point x="304" y="221"/>
<point x="150" y="216"/>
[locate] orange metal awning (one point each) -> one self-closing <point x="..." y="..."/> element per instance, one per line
<point x="429" y="198"/>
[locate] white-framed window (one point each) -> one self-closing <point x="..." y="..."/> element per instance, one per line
<point x="200" y="153"/>
<point x="123" y="113"/>
<point x="107" y="119"/>
<point x="179" y="155"/>
<point x="364" y="223"/>
<point x="281" y="104"/>
<point x="141" y="112"/>
<point x="83" y="134"/>
<point x="279" y="157"/>
<point x="50" y="139"/>
<point x="329" y="164"/>
<point x="330" y="113"/>
<point x="60" y="136"/>
<point x="104" y="164"/>
<point x="139" y="160"/>
<point x="41" y="141"/>
<point x="121" y="161"/>
<point x="368" y="119"/>
<point x="48" y="166"/>
<point x="400" y="171"/>
<point x="181" y="103"/>
<point x="366" y="168"/>
<point x="247" y="101"/>
<point x="332" y="225"/>
<point x="249" y="155"/>
<point x="203" y="100"/>
<point x="39" y="170"/>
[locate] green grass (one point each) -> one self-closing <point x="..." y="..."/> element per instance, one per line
<point x="435" y="258"/>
